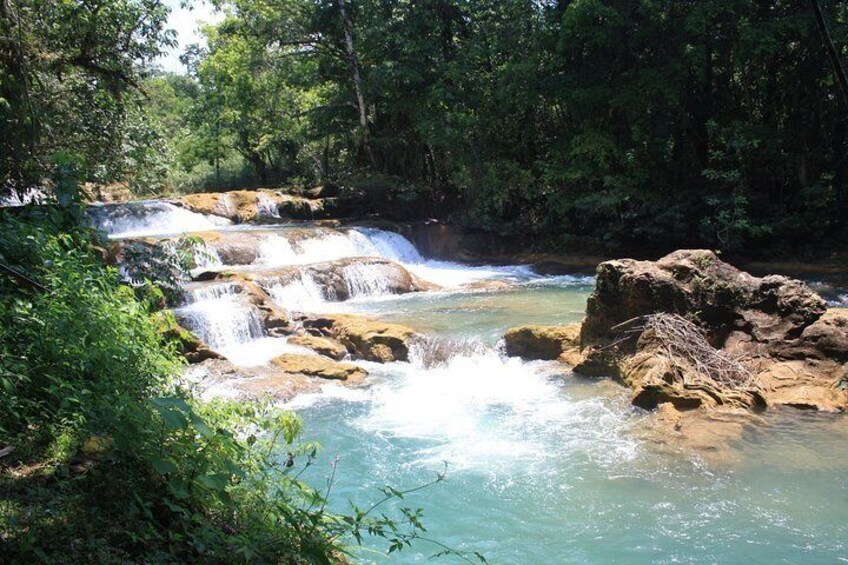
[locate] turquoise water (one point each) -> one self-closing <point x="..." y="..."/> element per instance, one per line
<point x="544" y="466"/>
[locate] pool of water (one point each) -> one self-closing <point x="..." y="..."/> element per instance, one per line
<point x="545" y="467"/>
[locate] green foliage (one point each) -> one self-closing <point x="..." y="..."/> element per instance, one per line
<point x="164" y="265"/>
<point x="68" y="71"/>
<point x="676" y="123"/>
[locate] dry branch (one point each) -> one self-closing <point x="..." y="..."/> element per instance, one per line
<point x="686" y="345"/>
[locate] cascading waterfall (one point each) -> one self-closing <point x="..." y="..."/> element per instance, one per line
<point x="229" y="324"/>
<point x="365" y="280"/>
<point x="301" y="295"/>
<point x="276" y="250"/>
<point x="527" y="443"/>
<point x="221" y="317"/>
<point x="150" y="218"/>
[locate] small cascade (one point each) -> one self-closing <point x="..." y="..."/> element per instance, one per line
<point x="428" y="352"/>
<point x="221" y="317"/>
<point x="366" y="280"/>
<point x="198" y="292"/>
<point x="276" y="250"/>
<point x="149" y="218"/>
<point x="389" y="245"/>
<point x="301" y="295"/>
<point x="265" y="206"/>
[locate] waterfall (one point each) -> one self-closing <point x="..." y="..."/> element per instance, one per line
<point x="265" y="206"/>
<point x="149" y="218"/>
<point x="300" y="295"/>
<point x="220" y="316"/>
<point x="366" y="280"/>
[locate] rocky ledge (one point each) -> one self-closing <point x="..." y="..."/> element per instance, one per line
<point x="691" y="333"/>
<point x="337" y="280"/>
<point x="263" y="204"/>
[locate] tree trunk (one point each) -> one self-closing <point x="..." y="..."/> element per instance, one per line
<point x="353" y="60"/>
<point x="842" y="80"/>
<point x="838" y="69"/>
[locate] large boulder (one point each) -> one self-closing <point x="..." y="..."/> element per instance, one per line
<point x="695" y="332"/>
<point x="725" y="299"/>
<point x="364" y="338"/>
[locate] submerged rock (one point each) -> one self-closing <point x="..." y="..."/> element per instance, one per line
<point x="364" y="338"/>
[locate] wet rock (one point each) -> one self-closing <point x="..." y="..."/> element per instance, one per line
<point x="189" y="345"/>
<point x="341" y="279"/>
<point x="318" y="366"/>
<point x="487" y="286"/>
<point x="541" y="342"/>
<point x="710" y="435"/>
<point x="364" y="338"/>
<point x="321" y="345"/>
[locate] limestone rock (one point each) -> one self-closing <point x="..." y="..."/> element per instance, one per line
<point x="322" y="345"/>
<point x="250" y="205"/>
<point x="364" y="338"/>
<point x="541" y="342"/>
<point x="318" y="366"/>
<point x="773" y="328"/>
<point x="772" y="308"/>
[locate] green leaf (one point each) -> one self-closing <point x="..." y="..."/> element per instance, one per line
<point x="163" y="466"/>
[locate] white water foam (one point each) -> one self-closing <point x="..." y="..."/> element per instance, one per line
<point x="260" y="351"/>
<point x="300" y="295"/>
<point x="150" y="218"/>
<point x="482" y="411"/>
<point x="221" y="317"/>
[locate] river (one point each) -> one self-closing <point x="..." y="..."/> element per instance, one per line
<point x="542" y="466"/>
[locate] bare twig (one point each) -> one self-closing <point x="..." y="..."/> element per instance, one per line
<point x="686" y="345"/>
